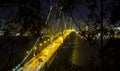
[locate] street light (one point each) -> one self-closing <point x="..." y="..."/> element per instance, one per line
<point x="48" y="39"/>
<point x="35" y="48"/>
<point x="61" y="38"/>
<point x="44" y="41"/>
<point x="27" y="52"/>
<point x="40" y="44"/>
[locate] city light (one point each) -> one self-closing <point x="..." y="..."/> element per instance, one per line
<point x="34" y="55"/>
<point x="61" y="38"/>
<point x="118" y="28"/>
<point x="27" y="52"/>
<point x="42" y="37"/>
<point x="48" y="39"/>
<point x="44" y="41"/>
<point x="51" y="38"/>
<point x="35" y="48"/>
<point x="17" y="34"/>
<point x="40" y="44"/>
<point x="77" y="32"/>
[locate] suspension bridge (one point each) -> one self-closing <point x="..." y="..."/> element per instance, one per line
<point x="40" y="57"/>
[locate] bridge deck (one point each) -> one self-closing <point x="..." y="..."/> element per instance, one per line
<point x="37" y="62"/>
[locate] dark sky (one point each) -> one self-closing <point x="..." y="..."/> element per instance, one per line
<point x="45" y="8"/>
<point x="79" y="9"/>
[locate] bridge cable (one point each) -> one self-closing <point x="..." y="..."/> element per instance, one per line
<point x="26" y="57"/>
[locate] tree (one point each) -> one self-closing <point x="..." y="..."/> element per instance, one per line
<point x="28" y="15"/>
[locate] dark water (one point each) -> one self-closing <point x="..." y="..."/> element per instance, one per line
<point x="13" y="50"/>
<point x="111" y="55"/>
<point x="76" y="55"/>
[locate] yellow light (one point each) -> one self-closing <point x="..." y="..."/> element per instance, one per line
<point x="61" y="38"/>
<point x="27" y="52"/>
<point x="40" y="44"/>
<point x="44" y="41"/>
<point x="35" y="48"/>
<point x="48" y="39"/>
<point x="51" y="38"/>
<point x="41" y="58"/>
<point x="73" y="30"/>
<point x="77" y="32"/>
<point x="33" y="54"/>
<point x="45" y="51"/>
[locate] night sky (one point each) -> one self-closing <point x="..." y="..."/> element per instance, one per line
<point x="80" y="8"/>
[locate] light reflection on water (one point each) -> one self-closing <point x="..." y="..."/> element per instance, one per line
<point x="76" y="51"/>
<point x="81" y="52"/>
<point x="74" y="57"/>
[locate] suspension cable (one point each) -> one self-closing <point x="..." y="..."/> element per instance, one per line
<point x="26" y="57"/>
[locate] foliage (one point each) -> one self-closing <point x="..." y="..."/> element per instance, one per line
<point x="27" y="15"/>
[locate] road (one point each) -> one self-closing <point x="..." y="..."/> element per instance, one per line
<point x="38" y="62"/>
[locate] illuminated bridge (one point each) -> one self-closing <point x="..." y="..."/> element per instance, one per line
<point x="61" y="42"/>
<point x="47" y="55"/>
<point x="40" y="56"/>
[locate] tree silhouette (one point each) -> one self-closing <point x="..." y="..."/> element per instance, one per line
<point x="28" y="15"/>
